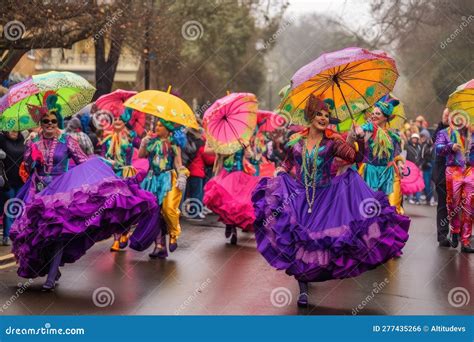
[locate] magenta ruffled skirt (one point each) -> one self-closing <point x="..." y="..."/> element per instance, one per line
<point x="229" y="196"/>
<point x="350" y="230"/>
<point x="87" y="204"/>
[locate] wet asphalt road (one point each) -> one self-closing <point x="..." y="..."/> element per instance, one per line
<point x="208" y="276"/>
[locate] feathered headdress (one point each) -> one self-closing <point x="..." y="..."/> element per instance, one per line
<point x="50" y="105"/>
<point x="386" y="104"/>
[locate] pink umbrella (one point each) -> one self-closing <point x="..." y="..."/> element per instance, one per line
<point x="113" y="103"/>
<point x="230" y="122"/>
<point x="269" y="121"/>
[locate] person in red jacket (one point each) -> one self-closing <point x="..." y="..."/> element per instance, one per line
<point x="193" y="205"/>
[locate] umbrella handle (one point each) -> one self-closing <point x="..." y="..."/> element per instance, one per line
<point x="343" y="97"/>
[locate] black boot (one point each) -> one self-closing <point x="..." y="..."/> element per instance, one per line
<point x="233" y="238"/>
<point x="303" y="296"/>
<point x="454" y="241"/>
<point x="467" y="249"/>
<point x="228" y="230"/>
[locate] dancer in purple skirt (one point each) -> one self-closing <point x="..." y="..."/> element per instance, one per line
<point x="317" y="226"/>
<point x="66" y="212"/>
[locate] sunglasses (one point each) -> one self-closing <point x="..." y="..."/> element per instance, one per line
<point x="47" y="121"/>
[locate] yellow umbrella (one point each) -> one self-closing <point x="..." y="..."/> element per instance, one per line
<point x="163" y="105"/>
<point x="461" y="104"/>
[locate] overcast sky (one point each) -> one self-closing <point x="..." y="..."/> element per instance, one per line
<point x="353" y="12"/>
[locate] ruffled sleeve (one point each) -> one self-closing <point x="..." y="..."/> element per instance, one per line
<point x="75" y="151"/>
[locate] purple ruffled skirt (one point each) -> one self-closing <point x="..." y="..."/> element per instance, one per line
<point x="87" y="204"/>
<point x="351" y="228"/>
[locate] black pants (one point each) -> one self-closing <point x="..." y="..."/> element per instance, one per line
<point x="442" y="223"/>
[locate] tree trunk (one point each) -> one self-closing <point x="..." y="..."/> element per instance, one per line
<point x="8" y="62"/>
<point x="105" y="68"/>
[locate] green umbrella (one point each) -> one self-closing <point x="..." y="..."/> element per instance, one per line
<point x="73" y="93"/>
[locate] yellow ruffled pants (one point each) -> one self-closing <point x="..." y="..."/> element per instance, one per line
<point x="170" y="208"/>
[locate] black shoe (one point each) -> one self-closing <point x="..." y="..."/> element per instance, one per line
<point x="454" y="241"/>
<point x="228" y="231"/>
<point x="58" y="275"/>
<point x="444" y="243"/>
<point x="233" y="239"/>
<point x="467" y="249"/>
<point x="302" y="300"/>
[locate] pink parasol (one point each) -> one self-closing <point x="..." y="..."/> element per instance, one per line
<point x="114" y="103"/>
<point x="230" y="122"/>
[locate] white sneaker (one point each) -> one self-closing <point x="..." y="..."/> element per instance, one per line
<point x="433" y="202"/>
<point x="411" y="201"/>
<point x="206" y="210"/>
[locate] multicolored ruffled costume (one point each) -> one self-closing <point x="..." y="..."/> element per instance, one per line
<point x="228" y="194"/>
<point x="161" y="181"/>
<point x="379" y="170"/>
<point x="459" y="181"/>
<point x="318" y="226"/>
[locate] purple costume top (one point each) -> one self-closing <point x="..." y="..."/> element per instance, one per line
<point x="445" y="141"/>
<point x="329" y="148"/>
<point x="46" y="159"/>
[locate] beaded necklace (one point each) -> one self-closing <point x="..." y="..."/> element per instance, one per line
<point x="48" y="151"/>
<point x="309" y="173"/>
